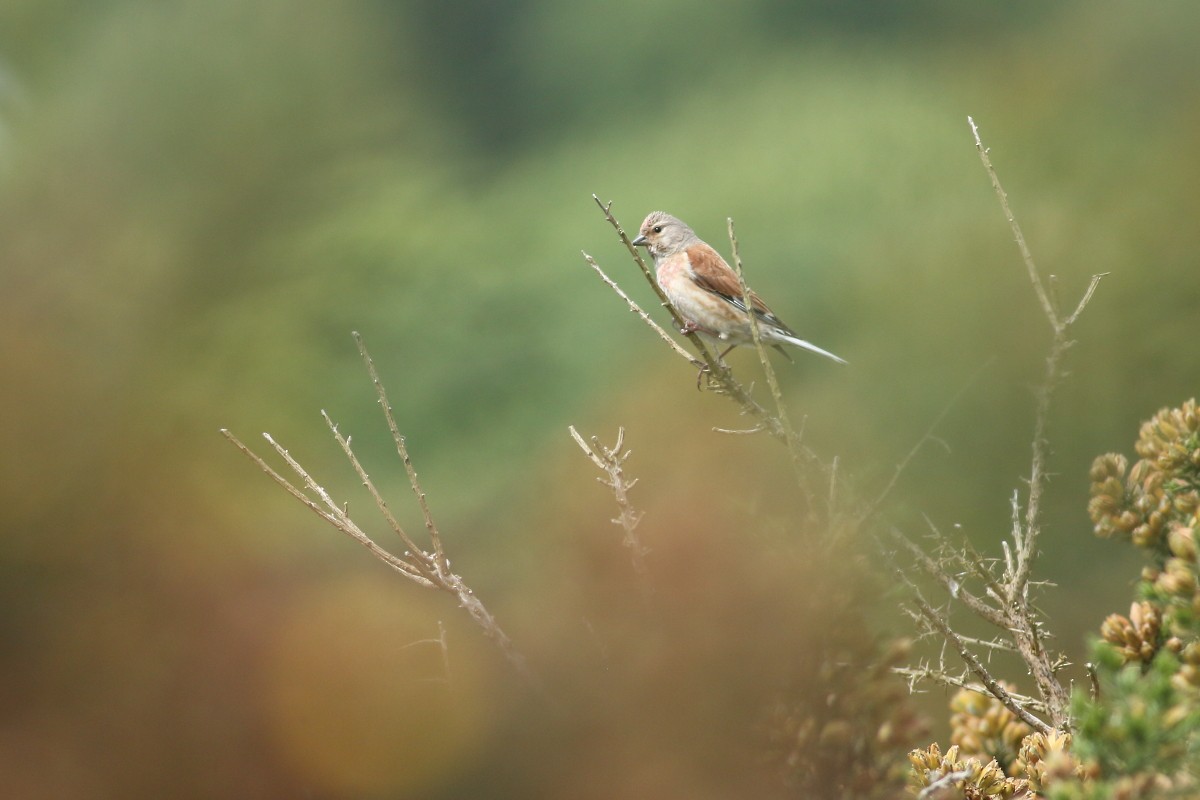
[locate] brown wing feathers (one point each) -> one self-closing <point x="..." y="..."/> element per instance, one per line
<point x="712" y="274"/>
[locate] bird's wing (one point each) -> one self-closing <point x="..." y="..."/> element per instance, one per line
<point x="712" y="274"/>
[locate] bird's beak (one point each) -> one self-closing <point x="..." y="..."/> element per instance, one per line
<point x="640" y="241"/>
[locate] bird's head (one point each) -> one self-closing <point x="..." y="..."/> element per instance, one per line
<point x="663" y="235"/>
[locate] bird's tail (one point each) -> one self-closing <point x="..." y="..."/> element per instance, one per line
<point x="810" y="346"/>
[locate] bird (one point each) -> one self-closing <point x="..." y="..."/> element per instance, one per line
<point x="706" y="291"/>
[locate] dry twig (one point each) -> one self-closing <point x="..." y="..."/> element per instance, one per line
<point x="635" y="308"/>
<point x="942" y="625"/>
<point x="429" y="568"/>
<point x="789" y="433"/>
<point x="1006" y="601"/>
<point x="611" y="461"/>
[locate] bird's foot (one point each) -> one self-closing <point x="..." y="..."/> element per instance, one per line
<point x="690" y="328"/>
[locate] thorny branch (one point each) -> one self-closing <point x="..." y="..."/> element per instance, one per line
<point x="1027" y="541"/>
<point x="429" y="568"/>
<point x="939" y="621"/>
<point x="1006" y="602"/>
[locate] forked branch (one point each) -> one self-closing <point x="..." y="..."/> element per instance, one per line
<point x="611" y="461"/>
<point x="1005" y="601"/>
<point x="425" y="567"/>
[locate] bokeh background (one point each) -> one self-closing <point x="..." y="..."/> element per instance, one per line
<point x="201" y="199"/>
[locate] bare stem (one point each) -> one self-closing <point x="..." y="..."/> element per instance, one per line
<point x="915" y="675"/>
<point x="1027" y="542"/>
<point x="610" y="461"/>
<point x="1034" y="277"/>
<point x="647" y="273"/>
<point x="402" y="450"/>
<point x="427" y="568"/>
<point x="336" y="518"/>
<point x="789" y="433"/>
<point x="938" y="621"/>
<point x="1009" y="603"/>
<point x="635" y="308"/>
<point x="414" y="553"/>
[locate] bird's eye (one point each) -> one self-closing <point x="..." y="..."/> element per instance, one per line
<point x="658" y="228"/>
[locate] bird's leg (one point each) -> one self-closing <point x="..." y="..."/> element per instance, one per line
<point x="688" y="329"/>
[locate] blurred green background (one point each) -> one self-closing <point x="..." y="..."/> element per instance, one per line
<point x="200" y="199"/>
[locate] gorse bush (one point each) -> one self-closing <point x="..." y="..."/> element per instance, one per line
<point x="1134" y="733"/>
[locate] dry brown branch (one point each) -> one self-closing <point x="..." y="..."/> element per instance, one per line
<point x="789" y="433"/>
<point x="1034" y="276"/>
<point x="939" y="621"/>
<point x="1027" y="542"/>
<point x="740" y="432"/>
<point x="402" y="451"/>
<point x="335" y="516"/>
<point x="647" y="273"/>
<point x="1025" y="535"/>
<point x="944" y="575"/>
<point x="1006" y="600"/>
<point x="939" y="676"/>
<point x="635" y="308"/>
<point x="429" y="568"/>
<point x="610" y="461"/>
<point x="945" y="786"/>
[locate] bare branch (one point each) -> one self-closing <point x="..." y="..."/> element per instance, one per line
<point x="434" y="538"/>
<point x="429" y="569"/>
<point x="634" y="307"/>
<point x="933" y="569"/>
<point x="336" y="518"/>
<point x="1024" y="628"/>
<point x="942" y="678"/>
<point x="610" y="460"/>
<point x="789" y="433"/>
<point x="1087" y="297"/>
<point x="973" y="663"/>
<point x="743" y="432"/>
<point x="947" y="781"/>
<point x="1026" y="256"/>
<point x="414" y="554"/>
<point x="606" y="208"/>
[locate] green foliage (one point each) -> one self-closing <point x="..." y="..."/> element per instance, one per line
<point x="1141" y="722"/>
